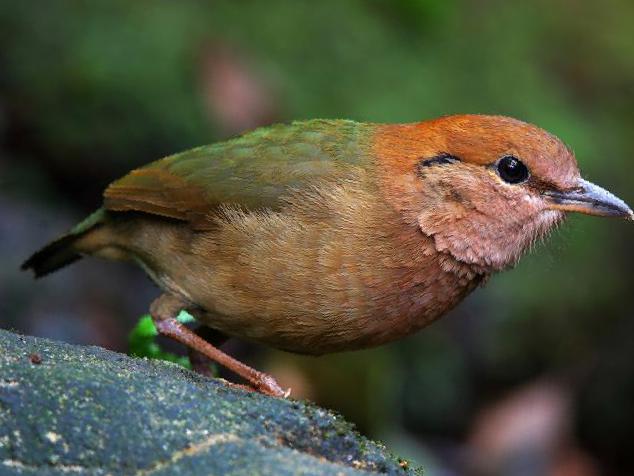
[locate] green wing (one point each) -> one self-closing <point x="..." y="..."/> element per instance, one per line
<point x="253" y="170"/>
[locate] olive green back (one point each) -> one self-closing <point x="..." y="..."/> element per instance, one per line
<point x="253" y="170"/>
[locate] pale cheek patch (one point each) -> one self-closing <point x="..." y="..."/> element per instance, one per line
<point x="546" y="220"/>
<point x="493" y="240"/>
<point x="531" y="199"/>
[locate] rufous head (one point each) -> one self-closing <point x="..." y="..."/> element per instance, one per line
<point x="485" y="188"/>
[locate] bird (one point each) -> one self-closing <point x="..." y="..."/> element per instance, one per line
<point x="323" y="236"/>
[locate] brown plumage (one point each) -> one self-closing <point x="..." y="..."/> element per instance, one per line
<point x="324" y="236"/>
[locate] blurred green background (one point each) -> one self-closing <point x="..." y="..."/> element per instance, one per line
<point x="532" y="375"/>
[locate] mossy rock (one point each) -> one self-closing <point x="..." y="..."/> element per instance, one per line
<point x="67" y="409"/>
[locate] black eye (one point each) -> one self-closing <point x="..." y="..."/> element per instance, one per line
<point x="512" y="170"/>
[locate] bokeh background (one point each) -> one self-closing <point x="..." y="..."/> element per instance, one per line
<point x="532" y="375"/>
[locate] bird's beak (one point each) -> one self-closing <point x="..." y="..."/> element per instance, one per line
<point x="590" y="199"/>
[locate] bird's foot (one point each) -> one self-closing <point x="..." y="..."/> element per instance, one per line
<point x="164" y="311"/>
<point x="266" y="384"/>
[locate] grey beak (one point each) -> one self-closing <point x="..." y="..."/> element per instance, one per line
<point x="590" y="199"/>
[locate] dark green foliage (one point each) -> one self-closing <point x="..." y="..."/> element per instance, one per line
<point x="142" y="341"/>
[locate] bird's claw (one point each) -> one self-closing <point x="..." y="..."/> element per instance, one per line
<point x="269" y="386"/>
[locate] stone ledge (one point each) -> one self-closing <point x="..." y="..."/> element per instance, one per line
<point x="68" y="409"/>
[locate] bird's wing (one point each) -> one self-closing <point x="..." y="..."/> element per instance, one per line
<point x="253" y="171"/>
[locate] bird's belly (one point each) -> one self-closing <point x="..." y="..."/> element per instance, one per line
<point x="294" y="320"/>
<point x="314" y="288"/>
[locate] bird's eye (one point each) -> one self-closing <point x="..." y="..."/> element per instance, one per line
<point x="512" y="170"/>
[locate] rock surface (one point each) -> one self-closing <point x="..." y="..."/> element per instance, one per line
<point x="84" y="410"/>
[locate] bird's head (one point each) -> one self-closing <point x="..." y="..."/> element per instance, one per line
<point x="485" y="188"/>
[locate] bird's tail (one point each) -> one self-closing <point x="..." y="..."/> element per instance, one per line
<point x="63" y="251"/>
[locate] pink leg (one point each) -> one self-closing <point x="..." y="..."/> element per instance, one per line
<point x="164" y="311"/>
<point x="199" y="362"/>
